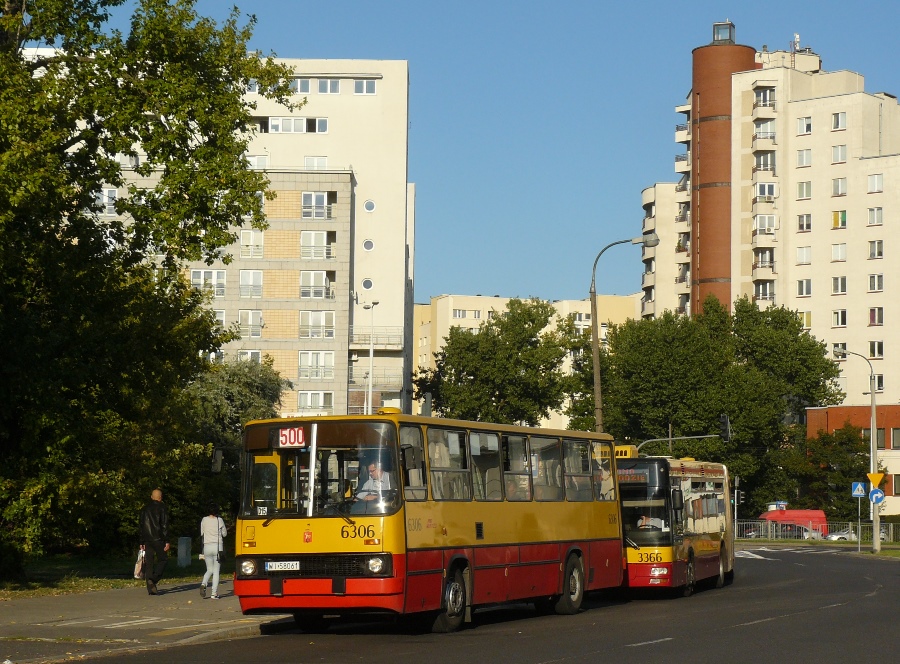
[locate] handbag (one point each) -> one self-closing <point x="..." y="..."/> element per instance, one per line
<point x="139" y="565"/>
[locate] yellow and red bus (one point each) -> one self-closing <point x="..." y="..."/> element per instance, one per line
<point x="677" y="521"/>
<point x="397" y="515"/>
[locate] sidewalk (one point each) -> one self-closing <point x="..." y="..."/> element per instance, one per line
<point x="81" y="626"/>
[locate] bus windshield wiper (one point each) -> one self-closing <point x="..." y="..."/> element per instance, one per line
<point x="634" y="545"/>
<point x="339" y="508"/>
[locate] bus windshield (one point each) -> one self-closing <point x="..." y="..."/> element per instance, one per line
<point x="322" y="469"/>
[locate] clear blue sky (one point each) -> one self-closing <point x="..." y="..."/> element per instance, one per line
<point x="534" y="126"/>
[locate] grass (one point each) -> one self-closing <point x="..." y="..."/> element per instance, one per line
<point x="68" y="574"/>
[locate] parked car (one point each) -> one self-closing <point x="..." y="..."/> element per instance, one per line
<point x="845" y="535"/>
<point x="793" y="531"/>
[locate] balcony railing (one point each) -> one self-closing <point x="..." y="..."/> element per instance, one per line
<point x="683" y="216"/>
<point x="315" y="373"/>
<point x="383" y="379"/>
<point x="316" y="332"/>
<point x="682" y="248"/>
<point x="377" y="336"/>
<point x="683" y="186"/>
<point x="764" y="297"/>
<point x="251" y="290"/>
<point x="763" y="231"/>
<point x="764" y="136"/>
<point x="317" y="212"/>
<point x="764" y="168"/>
<point x="682" y="278"/>
<point x="682" y="157"/>
<point x="683" y="127"/>
<point x="317" y="253"/>
<point x="763" y="199"/>
<point x="760" y="265"/>
<point x="251" y="251"/>
<point x="250" y="331"/>
<point x="764" y="104"/>
<point x="317" y="292"/>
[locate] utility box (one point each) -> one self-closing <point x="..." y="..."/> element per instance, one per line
<point x="184" y="551"/>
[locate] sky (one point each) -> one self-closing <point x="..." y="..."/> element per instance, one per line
<point x="534" y="126"/>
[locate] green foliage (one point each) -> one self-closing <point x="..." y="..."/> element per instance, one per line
<point x="758" y="366"/>
<point x="509" y="370"/>
<point x="104" y="332"/>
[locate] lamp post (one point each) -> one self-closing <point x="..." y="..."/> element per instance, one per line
<point x="873" y="446"/>
<point x="371" y="306"/>
<point x="649" y="240"/>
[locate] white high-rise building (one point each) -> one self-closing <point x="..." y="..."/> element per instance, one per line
<point x="327" y="289"/>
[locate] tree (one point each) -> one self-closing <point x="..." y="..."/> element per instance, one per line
<point x="507" y="371"/>
<point x="105" y="334"/>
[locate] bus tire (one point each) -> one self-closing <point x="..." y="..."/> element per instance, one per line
<point x="720" y="579"/>
<point x="569" y="603"/>
<point x="690" y="577"/>
<point x="453" y="613"/>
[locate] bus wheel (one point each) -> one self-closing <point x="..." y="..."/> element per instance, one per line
<point x="720" y="579"/>
<point x="452" y="615"/>
<point x="569" y="602"/>
<point x="689" y="578"/>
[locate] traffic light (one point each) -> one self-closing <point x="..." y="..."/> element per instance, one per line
<point x="738" y="497"/>
<point x="724" y="428"/>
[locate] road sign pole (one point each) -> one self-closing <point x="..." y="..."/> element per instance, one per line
<point x="859" y="525"/>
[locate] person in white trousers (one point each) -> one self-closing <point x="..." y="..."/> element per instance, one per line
<point x="212" y="532"/>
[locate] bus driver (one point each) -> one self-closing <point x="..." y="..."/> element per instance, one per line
<point x="378" y="481"/>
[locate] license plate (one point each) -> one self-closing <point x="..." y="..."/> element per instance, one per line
<point x="283" y="566"/>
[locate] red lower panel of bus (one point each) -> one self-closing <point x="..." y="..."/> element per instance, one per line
<point x="639" y="574"/>
<point x="497" y="574"/>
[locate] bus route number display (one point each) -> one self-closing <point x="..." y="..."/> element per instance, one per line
<point x="291" y="437"/>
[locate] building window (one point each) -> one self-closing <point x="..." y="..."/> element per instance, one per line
<point x="895" y="439"/>
<point x="838" y="154"/>
<point x="368" y="245"/>
<point x="839" y="318"/>
<point x="283" y="125"/>
<point x="765" y="191"/>
<point x="839" y="351"/>
<point x="316" y="364"/>
<point x="249" y="356"/>
<point x="106" y="200"/>
<point x="315" y="401"/>
<point x="364" y="87"/>
<point x="804" y="255"/>
<point x="318" y="204"/>
<point x="804" y="287"/>
<point x="804" y="158"/>
<point x="804" y="223"/>
<point x="317" y="325"/>
<point x="876" y="183"/>
<point x="315" y="285"/>
<point x="765" y="129"/>
<point x="314" y="163"/>
<point x="315" y="245"/>
<point x="839" y="187"/>
<point x="876" y="283"/>
<point x="804" y="189"/>
<point x="839" y="219"/>
<point x="251" y="244"/>
<point x="838" y="121"/>
<point x="879" y="387"/>
<point x="251" y="283"/>
<point x="804" y="126"/>
<point x="763" y="224"/>
<point x="839" y="285"/>
<point x="805" y="319"/>
<point x="876" y="350"/>
<point x="764" y="290"/>
<point x="209" y="280"/>
<point x="258" y="161"/>
<point x="299" y="85"/>
<point x="765" y="97"/>
<point x="329" y="86"/>
<point x="459" y="313"/>
<point x="876" y="316"/>
<point x="876" y="216"/>
<point x="765" y="161"/>
<point x="250" y="323"/>
<point x="876" y="249"/>
<point x="838" y="252"/>
<point x="476" y="314"/>
<point x="252" y="86"/>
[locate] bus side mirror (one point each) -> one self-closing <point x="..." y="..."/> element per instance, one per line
<point x="677" y="499"/>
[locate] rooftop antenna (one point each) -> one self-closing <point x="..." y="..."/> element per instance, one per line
<point x="795" y="46"/>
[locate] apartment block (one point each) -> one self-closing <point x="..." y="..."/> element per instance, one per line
<point x="787" y="191"/>
<point x="434" y="320"/>
<point x="326" y="291"/>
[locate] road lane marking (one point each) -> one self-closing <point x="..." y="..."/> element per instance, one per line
<point x="135" y="623"/>
<point x="647" y="643"/>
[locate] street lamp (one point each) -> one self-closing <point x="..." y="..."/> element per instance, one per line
<point x="371" y="306"/>
<point x="650" y="239"/>
<point x="841" y="353"/>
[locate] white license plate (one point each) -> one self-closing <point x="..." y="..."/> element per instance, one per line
<point x="282" y="565"/>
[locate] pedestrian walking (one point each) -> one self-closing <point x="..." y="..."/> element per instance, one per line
<point x="154" y="524"/>
<point x="212" y="531"/>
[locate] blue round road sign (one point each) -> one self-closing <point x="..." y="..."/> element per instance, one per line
<point x="876" y="495"/>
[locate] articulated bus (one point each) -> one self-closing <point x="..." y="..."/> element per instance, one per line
<point x="395" y="514"/>
<point x="676" y="520"/>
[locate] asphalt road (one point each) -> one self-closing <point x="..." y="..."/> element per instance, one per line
<point x="794" y="604"/>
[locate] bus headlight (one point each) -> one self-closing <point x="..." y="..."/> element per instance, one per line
<point x="248" y="567"/>
<point x="376" y="565"/>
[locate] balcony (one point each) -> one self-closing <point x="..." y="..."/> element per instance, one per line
<point x="763" y="270"/>
<point x="384" y="380"/>
<point x="683" y="248"/>
<point x="763" y="171"/>
<point x="765" y="298"/>
<point x="251" y="290"/>
<point x="648" y="307"/>
<point x="649" y="224"/>
<point x="648" y="279"/>
<point x="315" y="373"/>
<point x="764" y="140"/>
<point x="763" y="237"/>
<point x="763" y="204"/>
<point x="682" y="163"/>
<point x="683" y="133"/>
<point x="683" y="216"/>
<point x="323" y="212"/>
<point x="382" y="338"/>
<point x="317" y="253"/>
<point x="764" y="110"/>
<point x="317" y="293"/>
<point x="316" y="332"/>
<point x="250" y="331"/>
<point x="251" y="251"/>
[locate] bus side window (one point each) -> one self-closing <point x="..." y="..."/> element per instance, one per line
<point x="450" y="476"/>
<point x="414" y="484"/>
<point x="604" y="488"/>
<point x="577" y="460"/>
<point x="516" y="469"/>
<point x="546" y="468"/>
<point x="484" y="448"/>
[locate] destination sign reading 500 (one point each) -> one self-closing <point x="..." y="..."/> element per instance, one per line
<point x="292" y="437"/>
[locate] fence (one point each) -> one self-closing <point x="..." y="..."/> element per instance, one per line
<point x="848" y="531"/>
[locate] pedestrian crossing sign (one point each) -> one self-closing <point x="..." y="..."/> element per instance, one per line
<point x="859" y="489"/>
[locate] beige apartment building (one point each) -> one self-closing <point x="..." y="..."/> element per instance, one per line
<point x="788" y="192"/>
<point x="326" y="290"/>
<point x="434" y="320"/>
